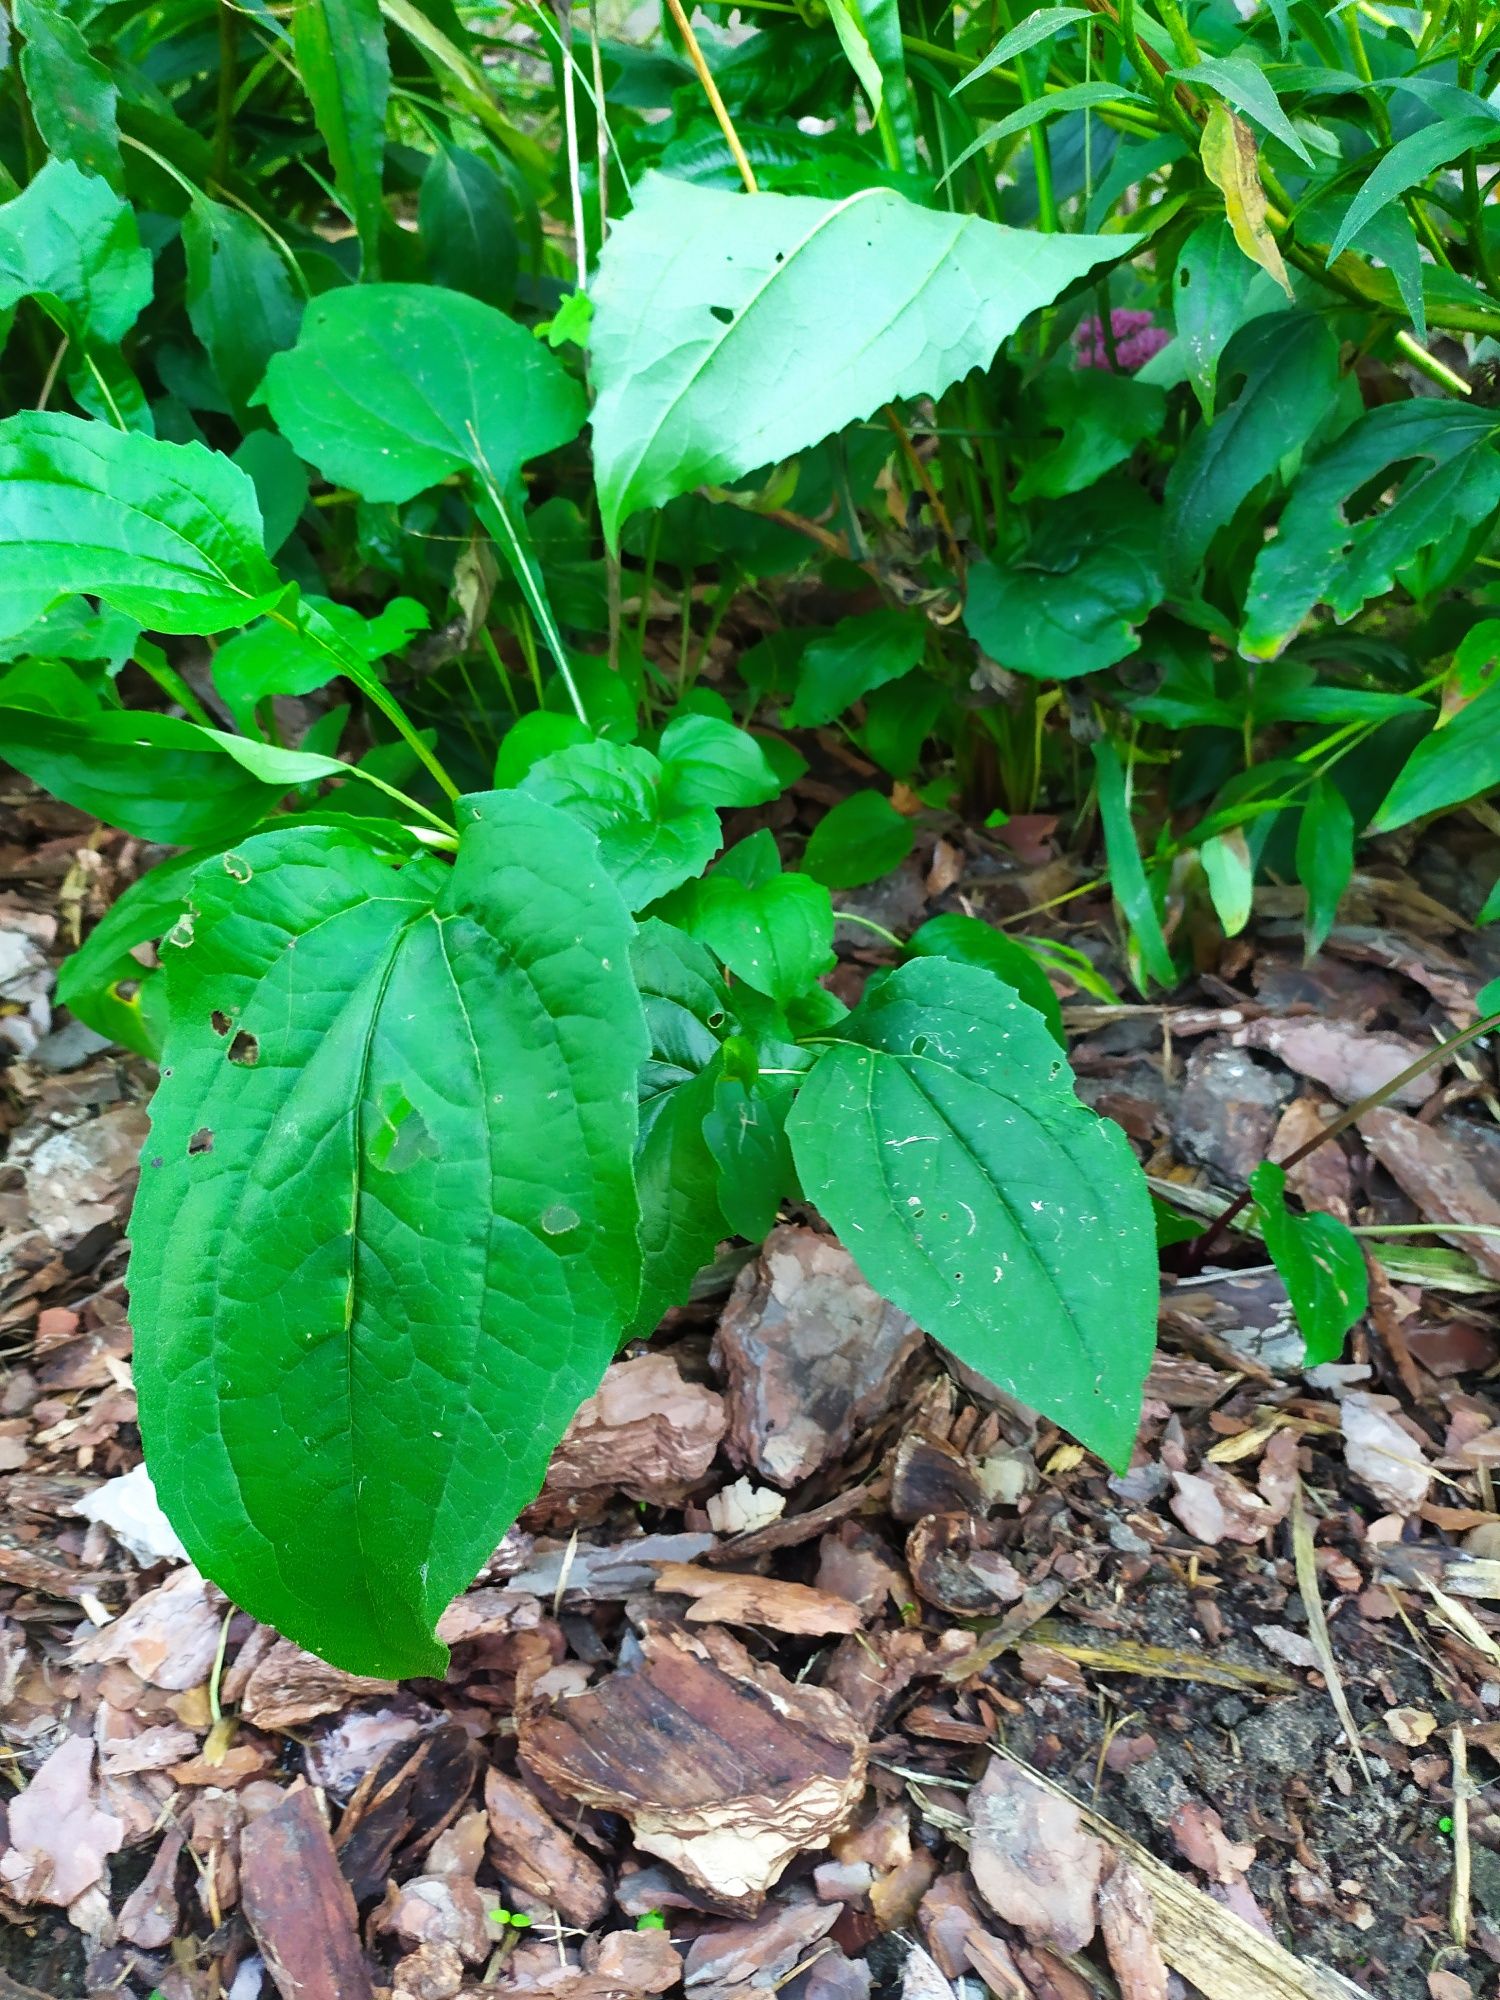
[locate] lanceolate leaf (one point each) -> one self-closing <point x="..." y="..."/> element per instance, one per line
<point x="167" y="533"/>
<point x="395" y="1123"/>
<point x="72" y="95"/>
<point x="1457" y="762"/>
<point x="1289" y="362"/>
<point x="941" y="1137"/>
<point x="1325" y="857"/>
<point x="346" y="70"/>
<point x="1411" y="160"/>
<point x="731" y="331"/>
<point x="1229" y="159"/>
<point x="241" y="300"/>
<point x="1450" y="483"/>
<point x="1212" y="298"/>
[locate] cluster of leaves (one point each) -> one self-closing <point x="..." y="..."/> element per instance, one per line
<point x="1017" y="340"/>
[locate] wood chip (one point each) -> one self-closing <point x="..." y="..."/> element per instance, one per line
<point x="1436" y="1174"/>
<point x="534" y="1854"/>
<point x="1350" y="1060"/>
<point x="726" y="1598"/>
<point x="722" y="1766"/>
<point x="810" y="1354"/>
<point x="646" y="1432"/>
<point x="299" y="1907"/>
<point x="1032" y="1859"/>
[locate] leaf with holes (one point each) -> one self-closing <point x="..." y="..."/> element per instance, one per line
<point x="941" y="1137"/>
<point x="396" y="1121"/>
<point x="731" y="331"/>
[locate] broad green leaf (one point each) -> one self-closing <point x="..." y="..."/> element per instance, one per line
<point x="1073" y="600"/>
<point x="773" y="931"/>
<point x="1290" y="363"/>
<point x="280" y="481"/>
<point x="1038" y="26"/>
<point x="531" y="738"/>
<point x="91" y="981"/>
<point x="941" y="1137"/>
<point x="1231" y="878"/>
<point x="167" y="533"/>
<point x="1457" y="762"/>
<point x="706" y="762"/>
<point x="860" y="839"/>
<point x="1407" y="163"/>
<point x="731" y="331"/>
<point x="1325" y="858"/>
<point x="1100" y="418"/>
<point x="1229" y="159"/>
<point x="392" y="388"/>
<point x="67" y="240"/>
<point x="72" y="95"/>
<point x="157" y="776"/>
<point x="1127" y="874"/>
<point x="1245" y="85"/>
<point x="970" y="941"/>
<point x="687" y="1017"/>
<point x="1211" y="301"/>
<point x="468" y="232"/>
<point x="305" y="649"/>
<point x="1320" y="1261"/>
<point x="241" y="302"/>
<point x="860" y="653"/>
<point x="1440" y="458"/>
<point x="396" y="1122"/>
<point x="650" y="843"/>
<point x="345" y="69"/>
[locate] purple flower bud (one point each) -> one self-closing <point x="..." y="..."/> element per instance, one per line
<point x="1136" y="339"/>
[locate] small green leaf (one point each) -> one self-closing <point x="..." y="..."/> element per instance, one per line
<point x="1055" y="104"/>
<point x="1074" y="599"/>
<point x="649" y="843"/>
<point x="241" y="302"/>
<point x="1231" y="878"/>
<point x="1325" y="858"/>
<point x="706" y="762"/>
<point x="1100" y="418"/>
<point x="1320" y="1261"/>
<point x="941" y="1137"/>
<point x="167" y="533"/>
<point x="746" y="1133"/>
<point x="357" y="1379"/>
<point x="860" y="839"/>
<point x="532" y="737"/>
<point x="67" y="240"/>
<point x="1172" y="1226"/>
<point x="466" y="226"/>
<point x="772" y="930"/>
<point x="969" y="941"/>
<point x="731" y="331"/>
<point x="89" y="981"/>
<point x="858" y="655"/>
<point x="1457" y="762"/>
<point x="72" y="95"/>
<point x="345" y="69"/>
<point x="1039" y="26"/>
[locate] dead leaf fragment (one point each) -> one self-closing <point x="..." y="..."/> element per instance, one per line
<point x="1032" y="1859"/>
<point x="1228" y="153"/>
<point x="60" y="1839"/>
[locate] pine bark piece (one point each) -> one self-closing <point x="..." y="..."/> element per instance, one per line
<point x="299" y="1907"/>
<point x="723" y="1767"/>
<point x="1032" y="1858"/>
<point x="534" y="1854"/>
<point x="647" y="1432"/>
<point x="1432" y="1171"/>
<point x="810" y="1354"/>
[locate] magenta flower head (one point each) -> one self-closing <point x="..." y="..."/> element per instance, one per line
<point x="1135" y="338"/>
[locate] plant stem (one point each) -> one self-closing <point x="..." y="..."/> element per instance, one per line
<point x="229" y="36"/>
<point x="869" y="924"/>
<point x="716" y="103"/>
<point x="1429" y="364"/>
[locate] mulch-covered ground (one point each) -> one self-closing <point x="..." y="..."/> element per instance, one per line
<point x="815" y="1670"/>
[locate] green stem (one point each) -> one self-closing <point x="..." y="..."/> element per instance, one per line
<point x="229" y="38"/>
<point x="869" y="924"/>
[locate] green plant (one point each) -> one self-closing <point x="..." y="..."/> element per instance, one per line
<point x="1018" y="337"/>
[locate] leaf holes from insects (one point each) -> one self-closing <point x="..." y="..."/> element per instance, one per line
<point x="219" y="1021"/>
<point x="245" y="1049"/>
<point x="202" y="1141"/>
